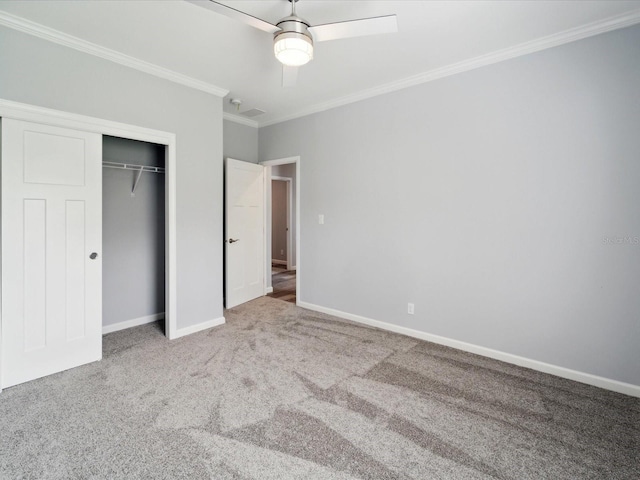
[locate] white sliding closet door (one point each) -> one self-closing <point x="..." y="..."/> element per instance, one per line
<point x="51" y="238"/>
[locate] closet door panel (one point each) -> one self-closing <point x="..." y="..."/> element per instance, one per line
<point x="74" y="269"/>
<point x="53" y="159"/>
<point x="35" y="271"/>
<point x="51" y="223"/>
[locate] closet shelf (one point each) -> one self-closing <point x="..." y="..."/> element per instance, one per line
<point x="132" y="166"/>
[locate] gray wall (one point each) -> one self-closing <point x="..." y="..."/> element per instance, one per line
<point x="492" y="199"/>
<point x="240" y="141"/>
<point x="38" y="72"/>
<point x="133" y="233"/>
<point x="289" y="171"/>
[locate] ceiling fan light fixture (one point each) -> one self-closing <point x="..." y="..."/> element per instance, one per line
<point x="293" y="37"/>
<point x="293" y="48"/>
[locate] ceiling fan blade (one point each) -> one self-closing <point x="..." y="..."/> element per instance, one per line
<point x="289" y="76"/>
<point x="236" y="15"/>
<point x="354" y="28"/>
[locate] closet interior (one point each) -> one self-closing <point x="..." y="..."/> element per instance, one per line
<point x="133" y="233"/>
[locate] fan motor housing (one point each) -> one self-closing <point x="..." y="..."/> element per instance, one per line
<point x="293" y="24"/>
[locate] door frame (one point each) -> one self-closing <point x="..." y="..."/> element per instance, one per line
<point x="46" y="116"/>
<point x="288" y="181"/>
<point x="267" y="230"/>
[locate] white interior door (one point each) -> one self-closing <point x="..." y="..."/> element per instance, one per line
<point x="51" y="239"/>
<point x="244" y="230"/>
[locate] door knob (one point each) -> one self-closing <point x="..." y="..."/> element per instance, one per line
<point x="232" y="240"/>
<point x="93" y="256"/>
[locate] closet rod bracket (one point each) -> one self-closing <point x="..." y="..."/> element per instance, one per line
<point x="135" y="184"/>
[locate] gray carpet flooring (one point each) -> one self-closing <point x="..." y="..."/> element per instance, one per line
<point x="280" y="392"/>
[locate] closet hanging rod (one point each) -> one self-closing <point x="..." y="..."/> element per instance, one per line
<point x="133" y="166"/>
<point x="138" y="168"/>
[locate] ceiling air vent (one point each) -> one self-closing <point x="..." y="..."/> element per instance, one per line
<point x="254" y="112"/>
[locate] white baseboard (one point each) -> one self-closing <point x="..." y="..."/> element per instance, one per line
<point x="134" y="322"/>
<point x="589" y="379"/>
<point x="181" y="332"/>
<point x="268" y="290"/>
<point x="279" y="262"/>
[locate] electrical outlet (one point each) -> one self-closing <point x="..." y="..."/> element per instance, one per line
<point x="321" y="219"/>
<point x="281" y="252"/>
<point x="410" y="308"/>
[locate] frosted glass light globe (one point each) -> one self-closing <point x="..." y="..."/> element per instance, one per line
<point x="293" y="49"/>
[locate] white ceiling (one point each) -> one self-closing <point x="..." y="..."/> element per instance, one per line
<point x="209" y="47"/>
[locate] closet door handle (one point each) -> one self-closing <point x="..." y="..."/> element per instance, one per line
<point x="232" y="240"/>
<point x="93" y="256"/>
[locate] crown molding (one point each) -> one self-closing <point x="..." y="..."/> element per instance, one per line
<point x="241" y="120"/>
<point x="571" y="35"/>
<point x="56" y="36"/>
<point x="543" y="43"/>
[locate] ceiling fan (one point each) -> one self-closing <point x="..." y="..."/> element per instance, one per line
<point x="294" y="37"/>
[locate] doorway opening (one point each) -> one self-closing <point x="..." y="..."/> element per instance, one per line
<point x="283" y="275"/>
<point x="283" y="229"/>
<point x="133" y="233"/>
